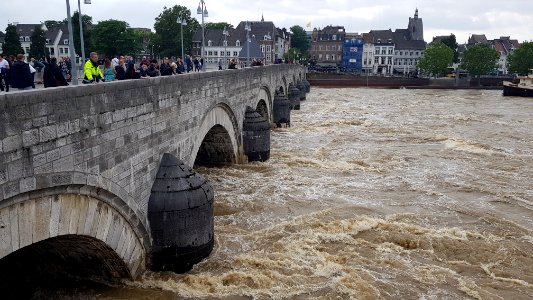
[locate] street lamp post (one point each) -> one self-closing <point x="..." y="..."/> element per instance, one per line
<point x="74" y="69"/>
<point x="225" y="32"/>
<point x="202" y="10"/>
<point x="248" y="28"/>
<point x="82" y="42"/>
<point x="182" y="23"/>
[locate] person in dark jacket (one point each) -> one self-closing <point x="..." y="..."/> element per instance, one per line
<point x="52" y="75"/>
<point x="120" y="69"/>
<point x="165" y="67"/>
<point x="131" y="73"/>
<point x="20" y="75"/>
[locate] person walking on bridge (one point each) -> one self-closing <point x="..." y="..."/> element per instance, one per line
<point x="91" y="70"/>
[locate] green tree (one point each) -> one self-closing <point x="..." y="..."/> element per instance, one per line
<point x="436" y="59"/>
<point x="218" y="25"/>
<point x="299" y="39"/>
<point x="480" y="60"/>
<point x="38" y="43"/>
<point x="451" y="42"/>
<point x="87" y="24"/>
<point x="521" y="60"/>
<point x="11" y="44"/>
<point x="113" y="37"/>
<point x="168" y="30"/>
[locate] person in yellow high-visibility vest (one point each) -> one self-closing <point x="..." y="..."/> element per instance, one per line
<point x="91" y="70"/>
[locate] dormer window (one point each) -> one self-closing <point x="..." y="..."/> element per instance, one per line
<point x="209" y="43"/>
<point x="379" y="41"/>
<point x="48" y="41"/>
<point x="390" y="40"/>
<point x="21" y="39"/>
<point x="26" y="38"/>
<point x="65" y="41"/>
<point x="238" y="43"/>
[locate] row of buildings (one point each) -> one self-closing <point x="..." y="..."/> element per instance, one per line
<point x="250" y="39"/>
<point x="387" y="51"/>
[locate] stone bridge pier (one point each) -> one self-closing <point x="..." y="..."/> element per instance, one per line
<point x="78" y="164"/>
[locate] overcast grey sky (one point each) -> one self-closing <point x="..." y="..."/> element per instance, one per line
<point x="494" y="18"/>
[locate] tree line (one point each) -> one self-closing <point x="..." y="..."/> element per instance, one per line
<point x="478" y="60"/>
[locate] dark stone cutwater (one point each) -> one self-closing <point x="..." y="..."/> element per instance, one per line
<point x="371" y="194"/>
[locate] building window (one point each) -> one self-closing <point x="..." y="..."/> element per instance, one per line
<point x="235" y="53"/>
<point x="26" y="38"/>
<point x="60" y="50"/>
<point x="238" y="43"/>
<point x="376" y="60"/>
<point x="391" y="51"/>
<point x="320" y="48"/>
<point x="377" y="50"/>
<point x="21" y="39"/>
<point x="48" y="40"/>
<point x="320" y="56"/>
<point x="269" y="48"/>
<point x="65" y="42"/>
<point x="334" y="37"/>
<point x="51" y="51"/>
<point x="66" y="50"/>
<point x="228" y="53"/>
<point x="383" y="51"/>
<point x="209" y="53"/>
<point x="263" y="48"/>
<point x="215" y="53"/>
<point x="268" y="57"/>
<point x="27" y="50"/>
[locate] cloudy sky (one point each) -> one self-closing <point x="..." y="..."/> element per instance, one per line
<point x="494" y="18"/>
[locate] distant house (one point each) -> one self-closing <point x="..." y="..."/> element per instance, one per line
<point x="352" y="53"/>
<point x="271" y="41"/>
<point x="505" y="46"/>
<point x="383" y="45"/>
<point x="398" y="52"/>
<point x="326" y="44"/>
<point x="475" y="39"/>
<point x="57" y="39"/>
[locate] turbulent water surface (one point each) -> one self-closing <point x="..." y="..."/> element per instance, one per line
<point x="391" y="194"/>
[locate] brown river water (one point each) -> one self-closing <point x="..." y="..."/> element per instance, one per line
<point x="372" y="194"/>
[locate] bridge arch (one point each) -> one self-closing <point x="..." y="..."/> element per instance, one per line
<point x="264" y="103"/>
<point x="76" y="225"/>
<point x="216" y="141"/>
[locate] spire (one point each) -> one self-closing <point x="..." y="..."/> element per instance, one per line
<point x="416" y="13"/>
<point x="262" y="18"/>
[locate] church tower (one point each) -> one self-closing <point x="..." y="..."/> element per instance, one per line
<point x="416" y="27"/>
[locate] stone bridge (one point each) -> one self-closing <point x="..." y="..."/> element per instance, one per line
<point x="77" y="164"/>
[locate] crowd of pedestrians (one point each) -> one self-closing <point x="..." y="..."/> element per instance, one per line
<point x="16" y="73"/>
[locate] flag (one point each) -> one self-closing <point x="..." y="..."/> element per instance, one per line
<point x="308" y="25"/>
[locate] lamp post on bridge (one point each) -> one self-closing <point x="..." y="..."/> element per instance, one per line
<point x="225" y="32"/>
<point x="248" y="28"/>
<point x="82" y="42"/>
<point x="182" y="23"/>
<point x="202" y="10"/>
<point x="74" y="69"/>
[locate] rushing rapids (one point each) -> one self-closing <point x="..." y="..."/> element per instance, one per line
<point x="391" y="194"/>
